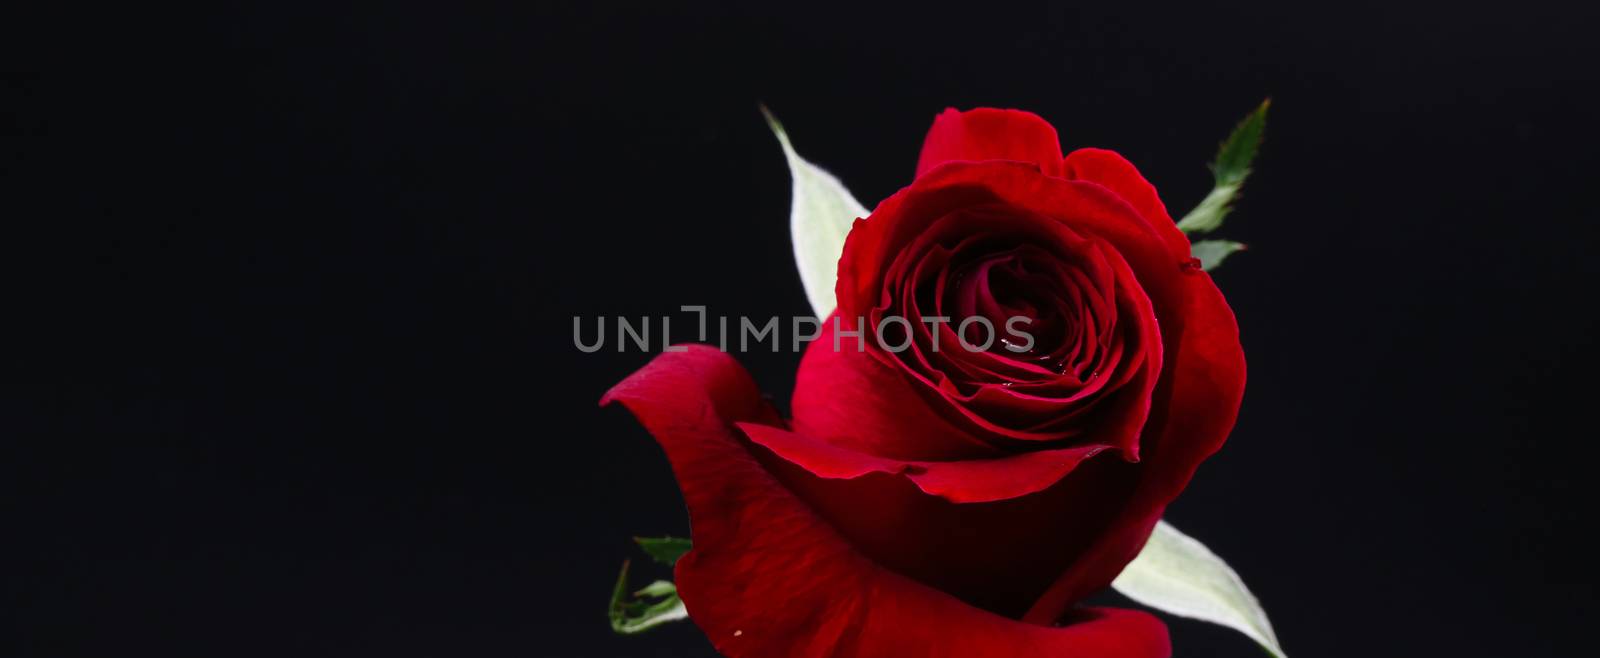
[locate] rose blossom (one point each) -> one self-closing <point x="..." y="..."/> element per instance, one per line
<point x="946" y="502"/>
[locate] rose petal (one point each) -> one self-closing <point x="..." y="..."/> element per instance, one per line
<point x="850" y="399"/>
<point x="768" y="578"/>
<point x="991" y="134"/>
<point x="1196" y="405"/>
<point x="1128" y="380"/>
<point x="1083" y="206"/>
<point x="1112" y="171"/>
<point x="968" y="481"/>
<point x="999" y="555"/>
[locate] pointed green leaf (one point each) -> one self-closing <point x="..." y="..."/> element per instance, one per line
<point x="656" y="604"/>
<point x="1212" y="252"/>
<point x="1179" y="575"/>
<point x="665" y="550"/>
<point x="1229" y="170"/>
<point x="820" y="215"/>
<point x="1208" y="216"/>
<point x="1236" y="154"/>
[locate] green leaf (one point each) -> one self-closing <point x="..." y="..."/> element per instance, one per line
<point x="1229" y="170"/>
<point x="1179" y="575"/>
<point x="820" y="215"/>
<point x="1212" y="252"/>
<point x="1236" y="154"/>
<point x="656" y="604"/>
<point x="665" y="550"/>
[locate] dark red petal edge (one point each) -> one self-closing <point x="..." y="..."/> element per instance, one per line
<point x="990" y="134"/>
<point x="969" y="481"/>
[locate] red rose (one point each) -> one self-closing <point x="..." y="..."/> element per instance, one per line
<point x="948" y="502"/>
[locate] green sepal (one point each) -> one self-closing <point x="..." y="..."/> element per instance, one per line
<point x="1212" y="252"/>
<point x="654" y="605"/>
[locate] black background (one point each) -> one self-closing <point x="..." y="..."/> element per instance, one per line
<point x="292" y="291"/>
